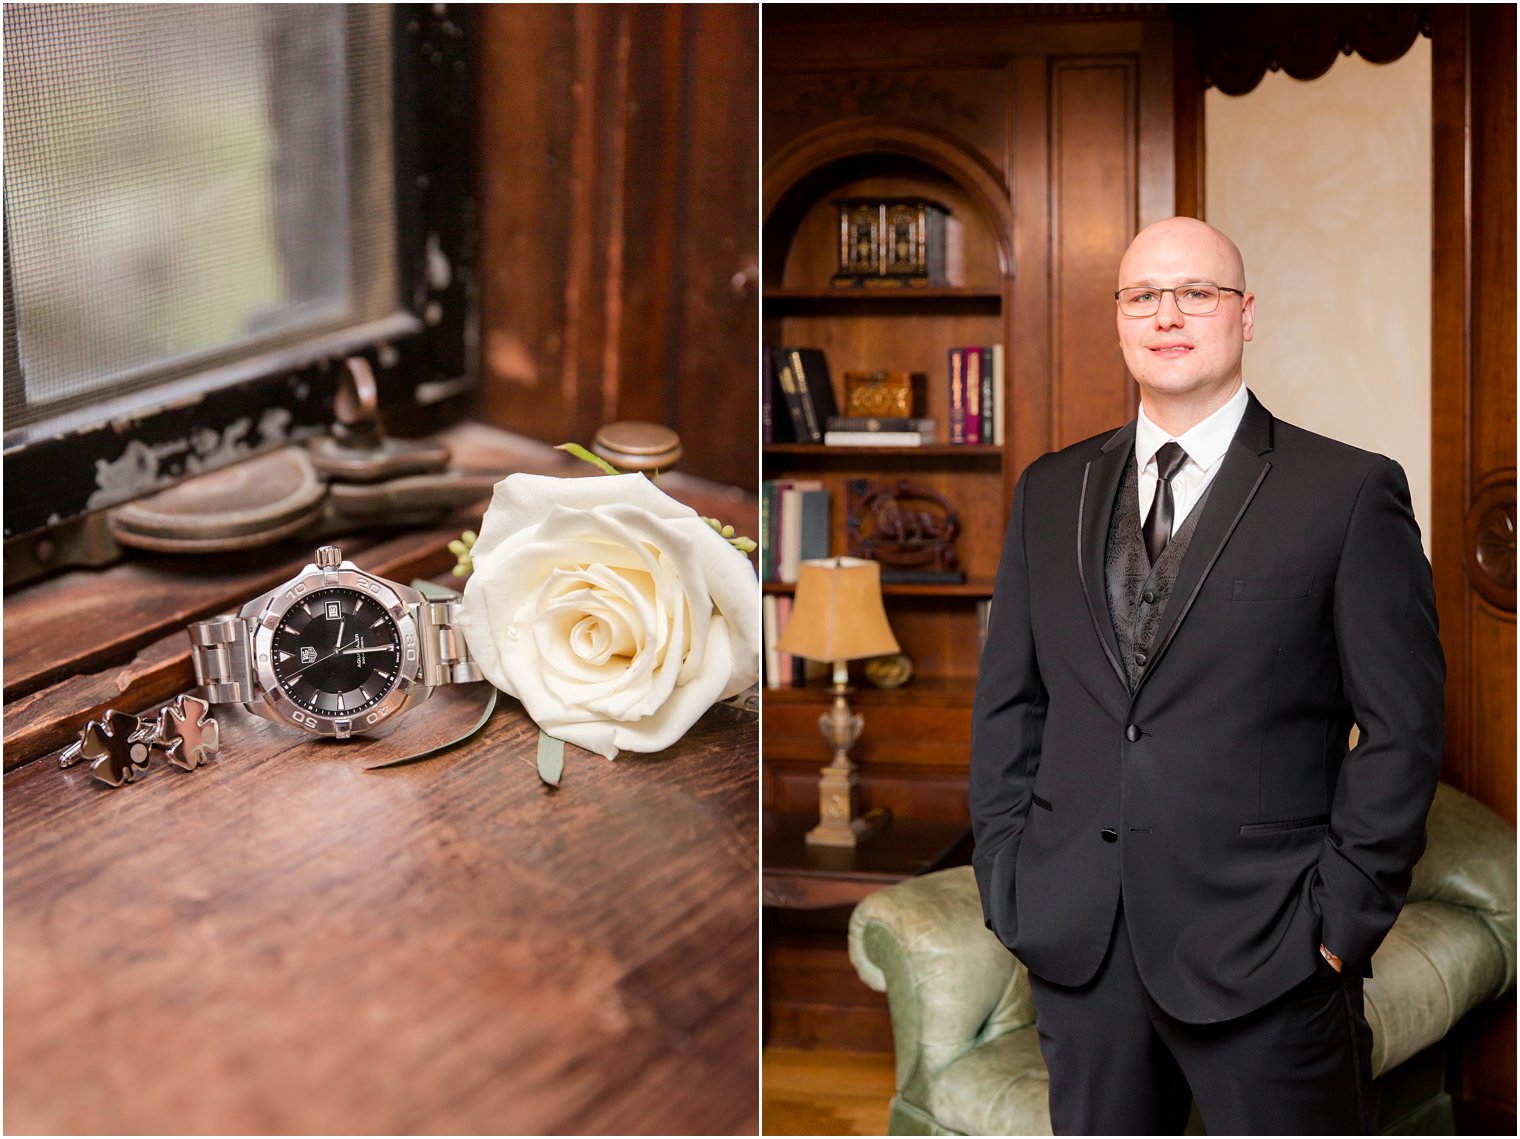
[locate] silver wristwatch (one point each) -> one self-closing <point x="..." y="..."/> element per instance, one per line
<point x="334" y="651"/>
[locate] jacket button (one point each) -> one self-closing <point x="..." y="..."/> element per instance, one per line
<point x="1132" y="733"/>
<point x="1141" y="658"/>
<point x="1149" y="597"/>
<point x="1110" y="835"/>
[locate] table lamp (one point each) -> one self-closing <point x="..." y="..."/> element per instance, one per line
<point x="837" y="616"/>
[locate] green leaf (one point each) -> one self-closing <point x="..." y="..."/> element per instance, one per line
<point x="586" y="456"/>
<point x="434" y="592"/>
<point x="443" y="747"/>
<point x="551" y="758"/>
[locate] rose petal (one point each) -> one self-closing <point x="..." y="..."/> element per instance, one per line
<point x="522" y="500"/>
<point x="613" y="612"/>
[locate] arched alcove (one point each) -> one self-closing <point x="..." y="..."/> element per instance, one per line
<point x="867" y="156"/>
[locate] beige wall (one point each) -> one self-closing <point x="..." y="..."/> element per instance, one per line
<point x="1325" y="186"/>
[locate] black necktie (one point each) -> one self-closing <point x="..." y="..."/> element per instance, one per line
<point x="1158" y="524"/>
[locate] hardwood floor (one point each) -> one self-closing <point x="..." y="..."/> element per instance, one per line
<point x="812" y="1092"/>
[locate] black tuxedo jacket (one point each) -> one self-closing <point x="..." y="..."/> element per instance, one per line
<point x="1220" y="795"/>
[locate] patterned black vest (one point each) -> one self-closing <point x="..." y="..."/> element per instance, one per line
<point x="1137" y="590"/>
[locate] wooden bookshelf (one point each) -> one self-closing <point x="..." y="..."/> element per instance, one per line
<point x="1050" y="142"/>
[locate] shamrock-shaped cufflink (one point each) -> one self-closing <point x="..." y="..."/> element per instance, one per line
<point x="114" y="745"/>
<point x="187" y="730"/>
<point x="119" y="745"/>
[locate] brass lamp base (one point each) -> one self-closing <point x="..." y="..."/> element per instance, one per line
<point x="837" y="804"/>
<point x="838" y="785"/>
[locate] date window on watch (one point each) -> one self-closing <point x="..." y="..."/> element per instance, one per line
<point x="334" y="611"/>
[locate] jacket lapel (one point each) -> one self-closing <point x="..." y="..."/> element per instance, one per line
<point x="1100" y="483"/>
<point x="1233" y="488"/>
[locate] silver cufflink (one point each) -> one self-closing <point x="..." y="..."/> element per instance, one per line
<point x="119" y="746"/>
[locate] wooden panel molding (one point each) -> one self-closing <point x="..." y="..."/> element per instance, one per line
<point x="1093" y="216"/>
<point x="1473" y="392"/>
<point x="1473" y="460"/>
<point x="1489" y="541"/>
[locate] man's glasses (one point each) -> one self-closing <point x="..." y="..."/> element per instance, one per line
<point x="1198" y="299"/>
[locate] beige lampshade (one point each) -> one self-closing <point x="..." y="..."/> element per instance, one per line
<point x="837" y="612"/>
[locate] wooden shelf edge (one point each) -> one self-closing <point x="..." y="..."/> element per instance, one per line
<point x="977" y="587"/>
<point x="887" y="296"/>
<point x="935" y="450"/>
<point x="946" y="690"/>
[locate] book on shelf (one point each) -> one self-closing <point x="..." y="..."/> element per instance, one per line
<point x="957" y="395"/>
<point x="814" y="531"/>
<point x="768" y="531"/>
<point x="798" y="413"/>
<point x="973" y="395"/>
<point x="803" y="375"/>
<point x="794" y="526"/>
<point x="783" y="670"/>
<point x="999" y="420"/>
<point x="976" y="394"/>
<point x="983" y="621"/>
<point x="916" y="423"/>
<point x="784" y="661"/>
<point x="877" y="438"/>
<point x="878" y="431"/>
<point x="770" y="620"/>
<point x="987" y="427"/>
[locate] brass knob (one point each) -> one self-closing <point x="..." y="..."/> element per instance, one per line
<point x="633" y="446"/>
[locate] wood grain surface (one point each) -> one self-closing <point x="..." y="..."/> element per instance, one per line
<point x="285" y="942"/>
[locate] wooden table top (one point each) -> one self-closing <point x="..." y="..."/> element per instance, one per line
<point x="283" y="941"/>
<point x="798" y="876"/>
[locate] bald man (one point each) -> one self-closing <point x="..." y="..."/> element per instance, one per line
<point x="1172" y="831"/>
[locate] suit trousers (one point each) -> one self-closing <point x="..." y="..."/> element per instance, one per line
<point x="1119" y="1065"/>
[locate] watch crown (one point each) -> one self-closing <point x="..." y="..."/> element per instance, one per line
<point x="328" y="557"/>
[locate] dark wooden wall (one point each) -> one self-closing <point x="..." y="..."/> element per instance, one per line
<point x="619" y="157"/>
<point x="1473" y="458"/>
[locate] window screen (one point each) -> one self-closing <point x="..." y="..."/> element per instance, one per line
<point x="186" y="186"/>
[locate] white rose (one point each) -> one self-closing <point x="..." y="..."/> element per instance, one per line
<point x="614" y="613"/>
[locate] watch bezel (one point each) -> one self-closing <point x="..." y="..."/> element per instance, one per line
<point x="264" y="615"/>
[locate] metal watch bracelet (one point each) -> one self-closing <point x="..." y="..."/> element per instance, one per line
<point x="446" y="658"/>
<point x="221" y="650"/>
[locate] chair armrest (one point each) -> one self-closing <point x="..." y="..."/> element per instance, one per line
<point x="1437" y="964"/>
<point x="949" y="982"/>
<point x="1469" y="863"/>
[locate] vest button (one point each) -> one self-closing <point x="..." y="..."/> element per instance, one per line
<point x="1141" y="658"/>
<point x="1149" y="597"/>
<point x="1110" y="835"/>
<point x="1132" y="733"/>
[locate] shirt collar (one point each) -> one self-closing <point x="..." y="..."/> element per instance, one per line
<point x="1204" y="442"/>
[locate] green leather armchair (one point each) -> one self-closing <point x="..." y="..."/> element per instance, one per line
<point x="968" y="1060"/>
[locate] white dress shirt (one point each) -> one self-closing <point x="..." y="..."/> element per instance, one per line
<point x="1205" y="444"/>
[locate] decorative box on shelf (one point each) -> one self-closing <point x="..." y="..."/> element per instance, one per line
<point x="893" y="394"/>
<point x="891" y="243"/>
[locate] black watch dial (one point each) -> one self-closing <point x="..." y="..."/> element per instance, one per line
<point x="336" y="652"/>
